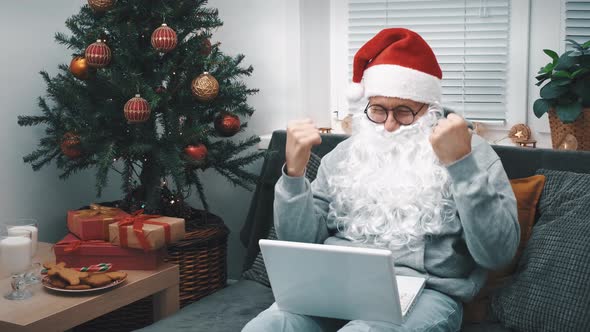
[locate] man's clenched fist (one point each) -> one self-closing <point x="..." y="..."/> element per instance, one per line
<point x="301" y="136"/>
<point x="451" y="139"/>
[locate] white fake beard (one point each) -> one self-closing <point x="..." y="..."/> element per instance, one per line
<point x="391" y="190"/>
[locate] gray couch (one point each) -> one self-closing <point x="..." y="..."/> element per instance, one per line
<point x="231" y="308"/>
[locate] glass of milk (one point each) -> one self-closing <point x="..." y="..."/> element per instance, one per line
<point x="14" y="226"/>
<point x="15" y="258"/>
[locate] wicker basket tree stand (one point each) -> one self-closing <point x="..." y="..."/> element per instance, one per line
<point x="201" y="258"/>
<point x="580" y="129"/>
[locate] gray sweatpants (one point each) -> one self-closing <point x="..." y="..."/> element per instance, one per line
<point x="434" y="312"/>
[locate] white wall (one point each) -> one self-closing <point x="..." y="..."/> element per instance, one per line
<point x="268" y="34"/>
<point x="546" y="33"/>
<point x="315" y="60"/>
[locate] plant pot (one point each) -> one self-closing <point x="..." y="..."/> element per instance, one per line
<point x="580" y="129"/>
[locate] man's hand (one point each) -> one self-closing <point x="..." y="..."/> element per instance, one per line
<point x="451" y="139"/>
<point x="301" y="136"/>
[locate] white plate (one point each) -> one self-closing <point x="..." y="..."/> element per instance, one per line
<point x="48" y="285"/>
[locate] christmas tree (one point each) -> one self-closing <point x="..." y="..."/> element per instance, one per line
<point x="148" y="96"/>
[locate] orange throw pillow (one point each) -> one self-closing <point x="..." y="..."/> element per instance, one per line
<point x="528" y="192"/>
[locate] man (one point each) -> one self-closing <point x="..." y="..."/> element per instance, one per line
<point x="406" y="180"/>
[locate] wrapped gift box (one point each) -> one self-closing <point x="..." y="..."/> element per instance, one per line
<point x="146" y="232"/>
<point x="93" y="223"/>
<point x="78" y="253"/>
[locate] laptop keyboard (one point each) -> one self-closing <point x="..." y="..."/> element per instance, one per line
<point x="405" y="299"/>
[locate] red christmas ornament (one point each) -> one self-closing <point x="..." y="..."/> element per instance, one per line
<point x="98" y="55"/>
<point x="196" y="152"/>
<point x="69" y="145"/>
<point x="227" y="124"/>
<point x="164" y="39"/>
<point x="160" y="89"/>
<point x="137" y="110"/>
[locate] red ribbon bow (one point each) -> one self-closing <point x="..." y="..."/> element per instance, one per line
<point x="74" y="245"/>
<point x="137" y="220"/>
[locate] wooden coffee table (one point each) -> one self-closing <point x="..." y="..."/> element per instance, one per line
<point x="50" y="311"/>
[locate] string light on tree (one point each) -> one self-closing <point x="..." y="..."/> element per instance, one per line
<point x="227" y="124"/>
<point x="98" y="55"/>
<point x="101" y="6"/>
<point x="105" y="37"/>
<point x="70" y="145"/>
<point x="79" y="68"/>
<point x="137" y="110"/>
<point x="164" y="39"/>
<point x="205" y="87"/>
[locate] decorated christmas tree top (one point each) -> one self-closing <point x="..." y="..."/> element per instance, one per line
<point x="146" y="95"/>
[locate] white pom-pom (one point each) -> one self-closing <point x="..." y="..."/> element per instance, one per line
<point x="355" y="91"/>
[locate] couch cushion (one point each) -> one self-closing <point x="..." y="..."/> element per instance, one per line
<point x="226" y="310"/>
<point x="260" y="214"/>
<point x="484" y="327"/>
<point x="527" y="191"/>
<point x="551" y="286"/>
<point x="257" y="271"/>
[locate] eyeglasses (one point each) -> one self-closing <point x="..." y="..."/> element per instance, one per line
<point x="404" y="115"/>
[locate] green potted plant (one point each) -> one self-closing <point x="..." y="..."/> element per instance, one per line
<point x="566" y="96"/>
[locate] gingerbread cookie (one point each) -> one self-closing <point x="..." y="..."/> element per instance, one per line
<point x="97" y="280"/>
<point x="78" y="287"/>
<point x="56" y="281"/>
<point x="70" y="275"/>
<point x="116" y="275"/>
<point x="52" y="268"/>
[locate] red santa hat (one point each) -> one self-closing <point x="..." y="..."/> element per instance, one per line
<point x="398" y="63"/>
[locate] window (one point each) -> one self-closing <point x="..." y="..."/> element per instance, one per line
<point x="471" y="40"/>
<point x="577" y="21"/>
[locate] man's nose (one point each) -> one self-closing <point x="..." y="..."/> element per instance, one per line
<point x="391" y="124"/>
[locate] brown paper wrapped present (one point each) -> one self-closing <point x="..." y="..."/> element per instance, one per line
<point x="147" y="232"/>
<point x="93" y="223"/>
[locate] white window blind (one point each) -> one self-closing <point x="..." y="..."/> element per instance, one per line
<point x="577" y="21"/>
<point x="468" y="37"/>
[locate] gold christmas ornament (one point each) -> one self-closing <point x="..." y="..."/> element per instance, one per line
<point x="100" y="6"/>
<point x="346" y="124"/>
<point x="205" y="87"/>
<point x="569" y="143"/>
<point x="79" y="68"/>
<point x="520" y="132"/>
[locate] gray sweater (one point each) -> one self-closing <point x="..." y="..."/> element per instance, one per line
<point x="484" y="235"/>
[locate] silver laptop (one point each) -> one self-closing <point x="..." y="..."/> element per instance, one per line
<point x="338" y="282"/>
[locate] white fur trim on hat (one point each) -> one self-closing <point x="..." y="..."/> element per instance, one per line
<point x="355" y="91"/>
<point x="401" y="82"/>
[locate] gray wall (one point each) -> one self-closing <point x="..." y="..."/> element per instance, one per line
<point x="28" y="48"/>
